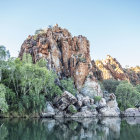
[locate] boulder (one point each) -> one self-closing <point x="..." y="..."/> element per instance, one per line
<point x="109" y="112"/>
<point x="102" y="103"/>
<point x="79" y="104"/>
<point x="86" y="100"/>
<point x="91" y="101"/>
<point x="111" y="107"/>
<point x="90" y="108"/>
<point x="48" y="111"/>
<point x="85" y="114"/>
<point x="84" y="109"/>
<point x="64" y="100"/>
<point x="79" y="97"/>
<point x="59" y="114"/>
<point x="132" y="112"/>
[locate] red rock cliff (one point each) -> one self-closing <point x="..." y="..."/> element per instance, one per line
<point x="68" y="56"/>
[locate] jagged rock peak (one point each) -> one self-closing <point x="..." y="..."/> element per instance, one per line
<point x="68" y="56"/>
<point x="110" y="68"/>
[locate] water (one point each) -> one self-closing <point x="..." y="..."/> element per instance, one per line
<point x="70" y="129"/>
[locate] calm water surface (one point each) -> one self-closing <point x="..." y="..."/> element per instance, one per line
<point x="70" y="129"/>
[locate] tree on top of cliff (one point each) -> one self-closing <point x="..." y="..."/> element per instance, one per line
<point x="4" y="54"/>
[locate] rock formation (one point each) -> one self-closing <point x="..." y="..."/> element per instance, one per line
<point x="133" y="74"/>
<point x="66" y="55"/>
<point x="109" y="68"/>
<point x="69" y="106"/>
<point x="131" y="112"/>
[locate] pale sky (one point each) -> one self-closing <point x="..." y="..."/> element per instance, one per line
<point x="111" y="26"/>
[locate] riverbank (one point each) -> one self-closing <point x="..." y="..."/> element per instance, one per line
<point x="79" y="106"/>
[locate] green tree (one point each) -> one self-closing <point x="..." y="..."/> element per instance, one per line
<point x="127" y="96"/>
<point x="29" y="84"/>
<point x="4" y="54"/>
<point x="3" y="103"/>
<point x="110" y="85"/>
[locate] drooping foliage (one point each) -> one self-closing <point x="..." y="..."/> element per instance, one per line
<point x="28" y="85"/>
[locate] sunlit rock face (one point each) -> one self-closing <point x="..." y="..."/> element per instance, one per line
<point x="66" y="55"/>
<point x="110" y="68"/>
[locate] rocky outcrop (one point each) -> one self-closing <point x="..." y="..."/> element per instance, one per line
<point x="66" y="55"/>
<point x="69" y="106"/>
<point x="109" y="106"/>
<point x="109" y="68"/>
<point x="132" y="112"/>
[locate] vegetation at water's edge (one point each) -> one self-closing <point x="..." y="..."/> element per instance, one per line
<point x="25" y="87"/>
<point x="127" y="94"/>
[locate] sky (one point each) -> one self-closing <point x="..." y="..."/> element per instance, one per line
<point x="111" y="26"/>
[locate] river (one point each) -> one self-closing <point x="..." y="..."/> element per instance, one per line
<point x="70" y="129"/>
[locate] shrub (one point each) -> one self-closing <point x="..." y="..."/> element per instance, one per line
<point x="72" y="109"/>
<point x="97" y="98"/>
<point x="68" y="85"/>
<point x="38" y="31"/>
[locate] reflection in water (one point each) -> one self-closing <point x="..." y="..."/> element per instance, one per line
<point x="70" y="129"/>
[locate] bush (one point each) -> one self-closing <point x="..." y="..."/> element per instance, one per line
<point x="72" y="109"/>
<point x="97" y="98"/>
<point x="127" y="96"/>
<point x="68" y="85"/>
<point x="110" y="85"/>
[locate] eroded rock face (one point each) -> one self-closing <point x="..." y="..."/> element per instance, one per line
<point x="91" y="89"/>
<point x="68" y="56"/>
<point x="109" y="68"/>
